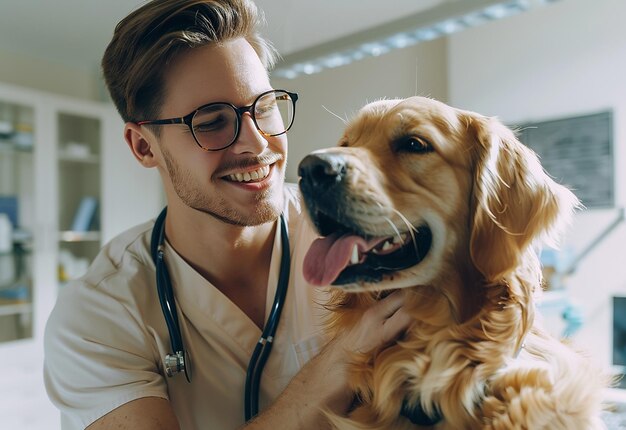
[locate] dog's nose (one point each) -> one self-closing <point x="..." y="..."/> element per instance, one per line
<point x="322" y="170"/>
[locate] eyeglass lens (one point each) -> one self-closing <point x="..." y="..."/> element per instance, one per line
<point x="215" y="126"/>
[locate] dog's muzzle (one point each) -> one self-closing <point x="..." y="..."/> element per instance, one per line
<point x="346" y="253"/>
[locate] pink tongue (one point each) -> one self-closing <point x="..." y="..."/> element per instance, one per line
<point x="328" y="256"/>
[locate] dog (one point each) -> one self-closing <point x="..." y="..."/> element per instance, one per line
<point x="449" y="207"/>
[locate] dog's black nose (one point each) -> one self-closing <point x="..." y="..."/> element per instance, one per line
<point x="322" y="170"/>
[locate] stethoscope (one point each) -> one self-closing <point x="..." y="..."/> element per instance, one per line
<point x="179" y="361"/>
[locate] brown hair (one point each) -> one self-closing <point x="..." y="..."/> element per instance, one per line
<point x="147" y="40"/>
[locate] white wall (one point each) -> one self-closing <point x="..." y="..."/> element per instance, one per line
<point x="565" y="59"/>
<point x="39" y="74"/>
<point x="420" y="70"/>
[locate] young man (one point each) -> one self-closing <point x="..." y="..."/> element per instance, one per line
<point x="189" y="78"/>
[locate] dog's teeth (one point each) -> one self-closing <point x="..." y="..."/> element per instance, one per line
<point x="355" y="255"/>
<point x="387" y="246"/>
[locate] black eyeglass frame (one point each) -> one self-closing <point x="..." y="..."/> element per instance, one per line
<point x="188" y="119"/>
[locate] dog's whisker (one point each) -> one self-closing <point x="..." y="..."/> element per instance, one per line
<point x="416" y="75"/>
<point x="393" y="226"/>
<point x="344" y="121"/>
<point x="404" y="219"/>
<point x="410" y="226"/>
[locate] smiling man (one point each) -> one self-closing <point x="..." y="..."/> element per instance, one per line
<point x="190" y="80"/>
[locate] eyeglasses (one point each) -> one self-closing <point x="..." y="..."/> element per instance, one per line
<point x="216" y="126"/>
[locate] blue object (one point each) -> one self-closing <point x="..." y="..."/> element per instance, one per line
<point x="85" y="214"/>
<point x="18" y="292"/>
<point x="9" y="206"/>
<point x="574" y="319"/>
<point x="560" y="259"/>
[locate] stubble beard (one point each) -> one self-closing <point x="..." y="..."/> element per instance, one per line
<point x="267" y="208"/>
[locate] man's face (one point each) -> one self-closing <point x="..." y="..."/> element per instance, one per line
<point x="206" y="181"/>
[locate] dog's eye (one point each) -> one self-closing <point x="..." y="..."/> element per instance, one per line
<point x="414" y="145"/>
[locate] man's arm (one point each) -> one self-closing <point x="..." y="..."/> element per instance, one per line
<point x="321" y="384"/>
<point x="148" y="413"/>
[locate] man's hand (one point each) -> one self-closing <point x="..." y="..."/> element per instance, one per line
<point x="323" y="382"/>
<point x="382" y="323"/>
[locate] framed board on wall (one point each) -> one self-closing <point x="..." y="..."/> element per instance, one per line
<point x="577" y="152"/>
<point x="619" y="331"/>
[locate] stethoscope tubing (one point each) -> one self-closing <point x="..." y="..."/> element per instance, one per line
<point x="166" y="296"/>
<point x="263" y="347"/>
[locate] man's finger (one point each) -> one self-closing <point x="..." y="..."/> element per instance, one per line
<point x="390" y="304"/>
<point x="396" y="325"/>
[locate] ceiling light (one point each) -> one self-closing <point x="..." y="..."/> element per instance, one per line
<point x="449" y="17"/>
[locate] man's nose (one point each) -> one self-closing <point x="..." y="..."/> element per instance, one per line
<point x="250" y="139"/>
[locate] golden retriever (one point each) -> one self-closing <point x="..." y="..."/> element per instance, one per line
<point x="448" y="206"/>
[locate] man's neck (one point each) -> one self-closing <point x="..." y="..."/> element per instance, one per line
<point x="235" y="259"/>
<point x="216" y="249"/>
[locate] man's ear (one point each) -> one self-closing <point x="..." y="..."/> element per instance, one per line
<point x="141" y="143"/>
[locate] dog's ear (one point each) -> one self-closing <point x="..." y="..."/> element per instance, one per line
<point x="514" y="202"/>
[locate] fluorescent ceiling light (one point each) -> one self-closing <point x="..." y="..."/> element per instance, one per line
<point x="449" y="17"/>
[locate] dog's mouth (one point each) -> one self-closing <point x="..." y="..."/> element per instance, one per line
<point x="345" y="256"/>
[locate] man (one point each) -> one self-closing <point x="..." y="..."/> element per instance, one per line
<point x="189" y="78"/>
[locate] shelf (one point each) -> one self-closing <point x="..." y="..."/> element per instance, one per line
<point x="11" y="148"/>
<point x="79" y="236"/>
<point x="22" y="237"/>
<point x="85" y="159"/>
<point x="8" y="308"/>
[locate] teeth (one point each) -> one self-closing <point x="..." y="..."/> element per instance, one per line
<point x="387" y="246"/>
<point x="397" y="240"/>
<point x="260" y="173"/>
<point x="355" y="255"/>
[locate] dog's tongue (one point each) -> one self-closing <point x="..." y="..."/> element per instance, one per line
<point x="328" y="256"/>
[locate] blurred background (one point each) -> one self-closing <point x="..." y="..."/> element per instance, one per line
<point x="68" y="183"/>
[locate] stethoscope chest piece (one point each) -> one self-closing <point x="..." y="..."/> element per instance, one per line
<point x="176" y="363"/>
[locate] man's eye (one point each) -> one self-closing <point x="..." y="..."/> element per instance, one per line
<point x="264" y="110"/>
<point x="212" y="125"/>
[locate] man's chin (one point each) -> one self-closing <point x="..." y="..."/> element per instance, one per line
<point x="262" y="213"/>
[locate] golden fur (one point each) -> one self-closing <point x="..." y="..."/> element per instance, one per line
<point x="476" y="351"/>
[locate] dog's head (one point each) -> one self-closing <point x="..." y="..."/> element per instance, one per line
<point x="418" y="192"/>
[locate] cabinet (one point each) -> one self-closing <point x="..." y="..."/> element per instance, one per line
<point x="16" y="214"/>
<point x="68" y="184"/>
<point x="79" y="197"/>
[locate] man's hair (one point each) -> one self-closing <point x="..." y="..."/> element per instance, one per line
<point x="148" y="39"/>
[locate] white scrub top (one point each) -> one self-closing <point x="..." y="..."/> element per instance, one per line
<point x="106" y="338"/>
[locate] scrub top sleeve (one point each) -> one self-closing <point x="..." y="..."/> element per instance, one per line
<point x="98" y="356"/>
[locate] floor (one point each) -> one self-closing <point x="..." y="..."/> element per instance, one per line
<point x="28" y="407"/>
